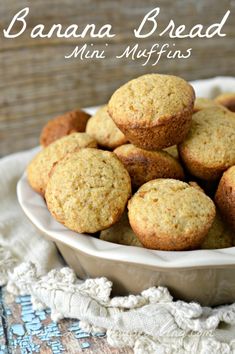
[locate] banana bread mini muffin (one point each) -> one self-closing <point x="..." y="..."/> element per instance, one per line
<point x="225" y="196"/>
<point x="202" y="103"/>
<point x="39" y="168"/>
<point x="121" y="233"/>
<point x="143" y="165"/>
<point x="102" y="128"/>
<point x="167" y="214"/>
<point x="219" y="235"/>
<point x="227" y="100"/>
<point x="209" y="148"/>
<point x="153" y="111"/>
<point x="70" y="122"/>
<point x="88" y="190"/>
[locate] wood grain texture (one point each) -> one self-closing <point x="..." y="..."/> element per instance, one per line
<point x="37" y="83"/>
<point x="3" y="340"/>
<point x="29" y="331"/>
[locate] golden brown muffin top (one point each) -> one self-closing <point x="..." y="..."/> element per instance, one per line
<point x="211" y="139"/>
<point x="171" y="208"/>
<point x="88" y="190"/>
<point x="70" y="122"/>
<point x="151" y="99"/>
<point x="39" y="168"/>
<point x="102" y="128"/>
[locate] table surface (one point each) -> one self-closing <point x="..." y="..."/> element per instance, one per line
<point x="23" y="330"/>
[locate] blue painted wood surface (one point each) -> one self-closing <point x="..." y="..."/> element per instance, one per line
<point x="24" y="331"/>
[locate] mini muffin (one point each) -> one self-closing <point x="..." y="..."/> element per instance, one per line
<point x="219" y="235"/>
<point x="225" y="196"/>
<point x="70" y="122"/>
<point x="209" y="148"/>
<point x="153" y="111"/>
<point x="39" y="168"/>
<point x="202" y="103"/>
<point x="173" y="151"/>
<point x="143" y="165"/>
<point x="121" y="233"/>
<point x="170" y="215"/>
<point x="227" y="100"/>
<point x="88" y="190"/>
<point x="102" y="128"/>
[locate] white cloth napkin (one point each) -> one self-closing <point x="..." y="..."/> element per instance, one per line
<point x="150" y="322"/>
<point x="19" y="240"/>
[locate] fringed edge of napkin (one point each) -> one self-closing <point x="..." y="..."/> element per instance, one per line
<point x="186" y="327"/>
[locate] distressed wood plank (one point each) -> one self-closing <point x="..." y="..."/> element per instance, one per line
<point x="3" y="344"/>
<point x="37" y="83"/>
<point x="29" y="330"/>
<point x="3" y="339"/>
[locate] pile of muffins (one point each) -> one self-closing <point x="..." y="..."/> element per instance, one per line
<point x="153" y="168"/>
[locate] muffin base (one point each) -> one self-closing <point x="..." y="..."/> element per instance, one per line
<point x="159" y="135"/>
<point x="197" y="169"/>
<point x="162" y="242"/>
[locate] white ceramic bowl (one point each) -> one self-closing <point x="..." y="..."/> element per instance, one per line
<point x="206" y="276"/>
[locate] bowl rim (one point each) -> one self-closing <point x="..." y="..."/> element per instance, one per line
<point x="34" y="207"/>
